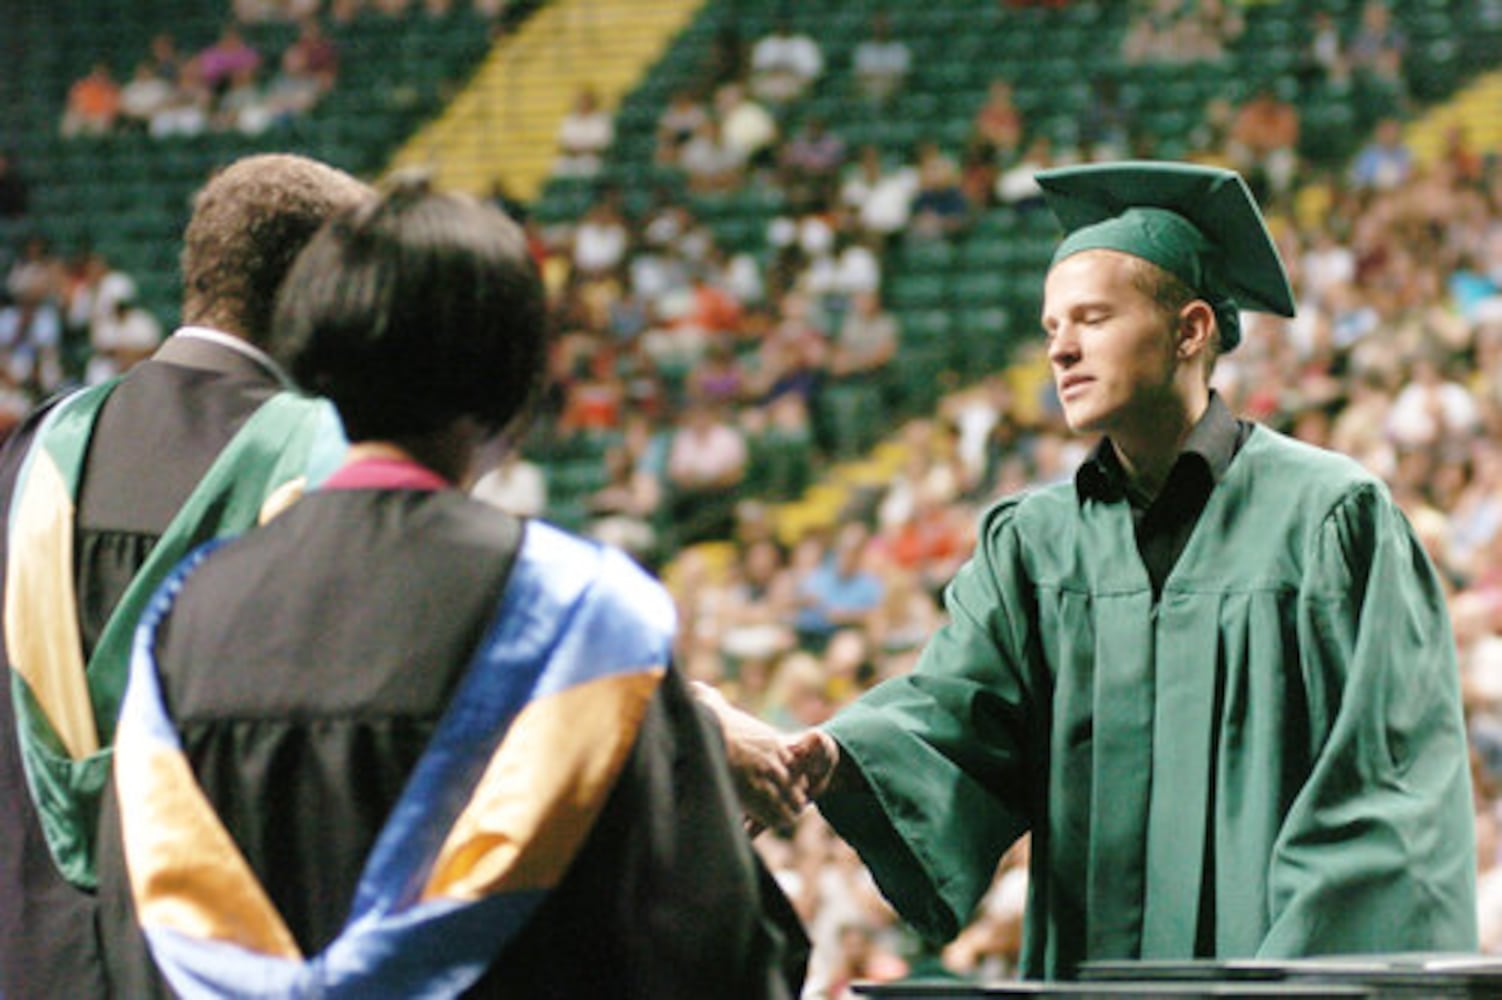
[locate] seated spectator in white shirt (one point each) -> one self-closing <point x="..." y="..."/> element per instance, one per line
<point x="679" y="122"/>
<point x="146" y="94"/>
<point x="709" y="162"/>
<point x="881" y="62"/>
<point x="31" y="333"/>
<point x="126" y="335"/>
<point x="601" y="240"/>
<point x="747" y="128"/>
<point x="584" y="135"/>
<point x="187" y="113"/>
<point x="1432" y="410"/>
<point x="881" y="198"/>
<point x="707" y="460"/>
<point x="783" y="64"/>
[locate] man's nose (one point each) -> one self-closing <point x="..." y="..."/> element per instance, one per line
<point x="1063" y="347"/>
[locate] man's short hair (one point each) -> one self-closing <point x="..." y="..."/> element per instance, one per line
<point x="1170" y="294"/>
<point x="413" y="311"/>
<point x="249" y="223"/>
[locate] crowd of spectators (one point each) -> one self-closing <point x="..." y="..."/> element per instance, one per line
<point x="344" y="11"/>
<point x="226" y="86"/>
<point x="1168" y="31"/>
<point x="65" y="320"/>
<point x="704" y="384"/>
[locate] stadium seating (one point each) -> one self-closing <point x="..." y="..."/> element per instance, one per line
<point x="962" y="302"/>
<point x="127" y="194"/>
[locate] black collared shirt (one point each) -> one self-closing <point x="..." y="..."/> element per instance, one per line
<point x="1165" y="522"/>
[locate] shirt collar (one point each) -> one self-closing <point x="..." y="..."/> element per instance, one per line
<point x="1213" y="441"/>
<point x="244" y="348"/>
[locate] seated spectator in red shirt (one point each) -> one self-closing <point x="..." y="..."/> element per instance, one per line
<point x="1264" y="142"/>
<point x="998" y="122"/>
<point x="593" y="394"/>
<point x="931" y="541"/>
<point x="93" y="104"/>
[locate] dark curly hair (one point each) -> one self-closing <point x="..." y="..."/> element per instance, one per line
<point x="249" y="222"/>
<point x="414" y="311"/>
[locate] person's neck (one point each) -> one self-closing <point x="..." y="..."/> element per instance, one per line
<point x="1147" y="454"/>
<point x="448" y="452"/>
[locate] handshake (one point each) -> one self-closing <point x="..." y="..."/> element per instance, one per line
<point x="776" y="774"/>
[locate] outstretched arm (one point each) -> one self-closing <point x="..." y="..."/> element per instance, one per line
<point x="760" y="759"/>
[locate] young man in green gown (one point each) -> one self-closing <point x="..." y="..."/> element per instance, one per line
<point x="1213" y="676"/>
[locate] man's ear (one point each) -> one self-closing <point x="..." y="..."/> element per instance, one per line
<point x="1197" y="329"/>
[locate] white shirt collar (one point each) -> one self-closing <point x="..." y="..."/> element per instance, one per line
<point x="238" y="345"/>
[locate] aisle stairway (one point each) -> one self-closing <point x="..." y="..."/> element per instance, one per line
<point x="1473" y="108"/>
<point x="504" y="124"/>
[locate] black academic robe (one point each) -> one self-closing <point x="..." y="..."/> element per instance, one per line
<point x="157" y="435"/>
<point x="338" y="633"/>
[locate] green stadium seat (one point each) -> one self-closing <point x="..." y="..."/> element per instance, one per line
<point x="927" y="327"/>
<point x="984" y="338"/>
<point x="984" y="251"/>
<point x="916" y="291"/>
<point x="978" y="289"/>
<point x="781" y="463"/>
<point x="922" y="376"/>
<point x="926" y="256"/>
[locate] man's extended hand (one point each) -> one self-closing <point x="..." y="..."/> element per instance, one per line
<point x="813" y="758"/>
<point x="759" y="756"/>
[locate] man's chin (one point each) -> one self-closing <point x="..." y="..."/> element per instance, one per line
<point x="1081" y="420"/>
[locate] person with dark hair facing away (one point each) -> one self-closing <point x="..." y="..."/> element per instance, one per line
<point x="397" y="742"/>
<point x="103" y="491"/>
<point x="1213" y="675"/>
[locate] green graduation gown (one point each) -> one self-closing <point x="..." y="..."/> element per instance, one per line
<point x="1270" y="761"/>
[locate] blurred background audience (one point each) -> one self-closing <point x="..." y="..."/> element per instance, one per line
<point x="794" y="257"/>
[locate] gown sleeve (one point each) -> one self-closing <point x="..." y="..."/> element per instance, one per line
<point x="943" y="750"/>
<point x="1376" y="851"/>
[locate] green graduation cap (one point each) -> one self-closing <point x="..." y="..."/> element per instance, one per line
<point x="1199" y="223"/>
